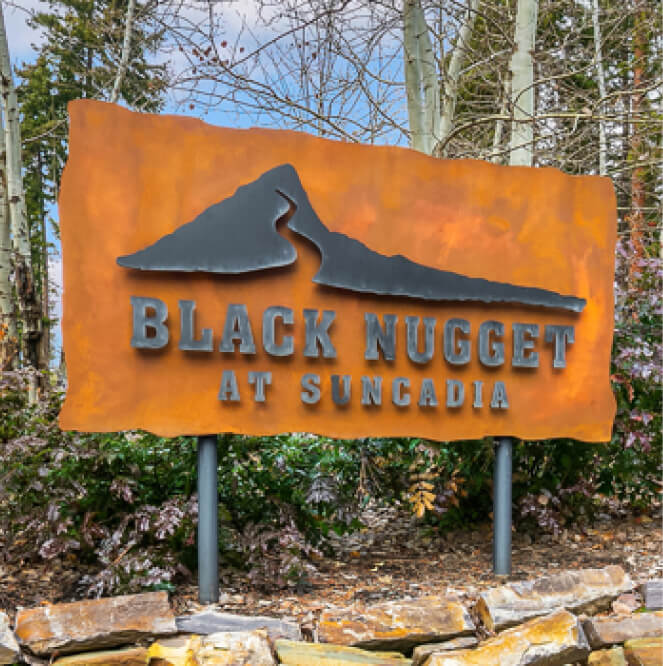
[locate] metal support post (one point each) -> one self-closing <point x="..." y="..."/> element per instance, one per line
<point x="208" y="509"/>
<point x="502" y="507"/>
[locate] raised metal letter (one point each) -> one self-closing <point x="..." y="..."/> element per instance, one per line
<point x="562" y="335"/>
<point x="371" y="391"/>
<point x="237" y="327"/>
<point x="400" y="399"/>
<point x="413" y="352"/>
<point x="455" y="393"/>
<point x="142" y="322"/>
<point x="310" y="394"/>
<point x="318" y="333"/>
<point x="462" y="356"/>
<point x="287" y="347"/>
<point x="478" y="394"/>
<point x="260" y="379"/>
<point x="499" y="399"/>
<point x="229" y="391"/>
<point x="187" y="328"/>
<point x="491" y="353"/>
<point x="427" y="397"/>
<point x="339" y="399"/>
<point x="522" y="358"/>
<point x="376" y="336"/>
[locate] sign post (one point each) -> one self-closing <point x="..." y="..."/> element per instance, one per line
<point x="208" y="527"/>
<point x="502" y="506"/>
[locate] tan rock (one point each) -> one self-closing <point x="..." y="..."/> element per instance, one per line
<point x="644" y="651"/>
<point x="175" y="651"/>
<point x="583" y="591"/>
<point x="421" y="652"/>
<point x="127" y="657"/>
<point x="8" y="644"/>
<point x="553" y="640"/>
<point x="395" y="625"/>
<point x="88" y="625"/>
<point x="605" y="631"/>
<point x="614" y="657"/>
<point x="235" y="648"/>
<point x="294" y="653"/>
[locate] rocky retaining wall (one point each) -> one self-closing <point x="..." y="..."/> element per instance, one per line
<point x="592" y="616"/>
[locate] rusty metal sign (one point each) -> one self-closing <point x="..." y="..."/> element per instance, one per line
<point x="263" y="281"/>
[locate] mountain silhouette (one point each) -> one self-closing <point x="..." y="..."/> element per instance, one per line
<point x="238" y="235"/>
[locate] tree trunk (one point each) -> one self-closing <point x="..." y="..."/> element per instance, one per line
<point x="8" y="336"/>
<point x="421" y="82"/>
<point x="29" y="307"/>
<point x="521" y="146"/>
<point x="126" y="49"/>
<point x="636" y="218"/>
<point x="453" y="72"/>
<point x="600" y="74"/>
<point x="45" y="342"/>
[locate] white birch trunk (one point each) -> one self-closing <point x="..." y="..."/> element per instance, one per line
<point x="17" y="211"/>
<point x="421" y="83"/>
<point x="495" y="155"/>
<point x="603" y="169"/>
<point x="453" y="71"/>
<point x="28" y="306"/>
<point x="8" y="336"/>
<point x="126" y="48"/>
<point x="521" y="145"/>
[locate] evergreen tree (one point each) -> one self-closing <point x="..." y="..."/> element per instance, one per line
<point x="78" y="58"/>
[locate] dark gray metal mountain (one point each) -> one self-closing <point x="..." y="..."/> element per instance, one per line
<point x="236" y="235"/>
<point x="239" y="235"/>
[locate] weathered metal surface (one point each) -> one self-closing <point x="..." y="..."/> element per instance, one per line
<point x="133" y="179"/>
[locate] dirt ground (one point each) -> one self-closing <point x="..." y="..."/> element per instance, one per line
<point x="406" y="564"/>
<point x="399" y="562"/>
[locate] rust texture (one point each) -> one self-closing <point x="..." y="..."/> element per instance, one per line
<point x="132" y="178"/>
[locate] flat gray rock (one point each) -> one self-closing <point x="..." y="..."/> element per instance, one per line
<point x="584" y="591"/>
<point x="605" y="631"/>
<point x="211" y="622"/>
<point x="8" y="644"/>
<point x="652" y="593"/>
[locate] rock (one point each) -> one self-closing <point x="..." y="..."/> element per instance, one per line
<point x="89" y="625"/>
<point x="127" y="657"/>
<point x="652" y="593"/>
<point x="176" y="651"/>
<point x="292" y="653"/>
<point x="625" y="604"/>
<point x="421" y="652"/>
<point x="235" y="648"/>
<point x="211" y="622"/>
<point x="614" y="657"/>
<point x="644" y="651"/>
<point x="553" y="640"/>
<point x="583" y="591"/>
<point x="8" y="644"/>
<point x="605" y="631"/>
<point x="395" y="625"/>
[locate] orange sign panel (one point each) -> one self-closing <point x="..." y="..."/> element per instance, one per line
<point x="264" y="281"/>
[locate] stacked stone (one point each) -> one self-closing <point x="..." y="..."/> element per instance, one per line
<point x="551" y="621"/>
